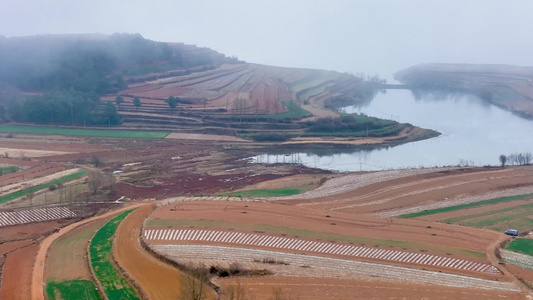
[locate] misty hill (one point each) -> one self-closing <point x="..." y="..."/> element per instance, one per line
<point x="61" y="79"/>
<point x="58" y="79"/>
<point x="92" y="63"/>
<point x="510" y="87"/>
<point x="127" y="80"/>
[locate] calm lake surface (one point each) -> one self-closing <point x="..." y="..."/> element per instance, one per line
<point x="473" y="133"/>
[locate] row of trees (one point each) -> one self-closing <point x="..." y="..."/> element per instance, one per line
<point x="171" y="101"/>
<point x="47" y="62"/>
<point x="518" y="159"/>
<point x="62" y="107"/>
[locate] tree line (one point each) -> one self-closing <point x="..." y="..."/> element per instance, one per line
<point x="517" y="159"/>
<point x="69" y="75"/>
<point x="63" y="107"/>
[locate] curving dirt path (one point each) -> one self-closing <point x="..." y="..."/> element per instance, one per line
<point x="156" y="279"/>
<point x="37" y="279"/>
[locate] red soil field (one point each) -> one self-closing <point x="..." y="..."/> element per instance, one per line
<point x="37" y="275"/>
<point x="156" y="279"/>
<point x="29" y="231"/>
<point x="439" y="238"/>
<point x="421" y="189"/>
<point x="16" y="274"/>
<point x="339" y="288"/>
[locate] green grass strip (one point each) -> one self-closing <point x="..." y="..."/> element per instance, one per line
<point x="112" y="133"/>
<point x="39" y="187"/>
<point x="294" y="111"/>
<point x="5" y="170"/>
<point x="267" y="192"/>
<point x="463" y="206"/>
<point x="522" y="245"/>
<point x="521" y="211"/>
<point x="72" y="290"/>
<point x="114" y="284"/>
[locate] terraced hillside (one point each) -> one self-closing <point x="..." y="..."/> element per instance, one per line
<point x="510" y="87"/>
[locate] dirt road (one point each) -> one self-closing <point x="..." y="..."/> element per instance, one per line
<point x="37" y="280"/>
<point x="156" y="279"/>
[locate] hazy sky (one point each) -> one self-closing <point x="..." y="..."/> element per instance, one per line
<point x="369" y="36"/>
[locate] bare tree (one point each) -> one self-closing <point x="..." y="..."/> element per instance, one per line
<point x="96" y="180"/>
<point x="194" y="286"/>
<point x="279" y="294"/>
<point x="95" y="160"/>
<point x="236" y="292"/>
<point x="31" y="193"/>
<point x="503" y="160"/>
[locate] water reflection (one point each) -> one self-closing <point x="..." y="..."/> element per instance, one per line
<point x="473" y="133"/>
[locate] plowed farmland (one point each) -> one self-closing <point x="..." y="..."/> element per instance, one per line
<point x="342" y="220"/>
<point x="156" y="279"/>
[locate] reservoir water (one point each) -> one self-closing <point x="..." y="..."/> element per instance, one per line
<point x="473" y="133"/>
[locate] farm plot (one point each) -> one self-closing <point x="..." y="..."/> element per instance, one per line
<point x="35" y="215"/>
<point x="316" y="266"/>
<point x="16" y="273"/>
<point x="518" y="216"/>
<point x="291" y="244"/>
<point x="308" y="223"/>
<point x="67" y="273"/>
<point x="157" y="280"/>
<point x="30" y="152"/>
<point x="30" y="172"/>
<point x="114" y="285"/>
<point x="204" y="137"/>
<point x="83" y="132"/>
<point x="15" y="191"/>
<point x="429" y="187"/>
<point x="522" y="260"/>
<point x="319" y="288"/>
<point x="72" y="290"/>
<point x="67" y="256"/>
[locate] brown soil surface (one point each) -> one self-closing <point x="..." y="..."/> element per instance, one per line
<point x="37" y="276"/>
<point x="16" y="274"/>
<point x="67" y="257"/>
<point x="29" y="231"/>
<point x="526" y="275"/>
<point x="338" y="288"/>
<point x="51" y="143"/>
<point x="37" y="180"/>
<point x="10" y="246"/>
<point x="439" y="238"/>
<point x="156" y="279"/>
<point x="422" y="189"/>
<point x="289" y="182"/>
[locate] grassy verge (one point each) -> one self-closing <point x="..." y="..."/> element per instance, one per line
<point x="72" y="290"/>
<point x="295" y="112"/>
<point x="113" y="133"/>
<point x="310" y="234"/>
<point x="268" y="192"/>
<point x="39" y="187"/>
<point x="522" y="245"/>
<point x="5" y="170"/>
<point x="114" y="284"/>
<point x="463" y="206"/>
